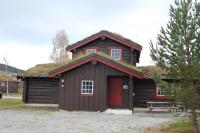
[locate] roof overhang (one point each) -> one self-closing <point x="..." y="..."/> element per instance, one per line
<point x="95" y="57"/>
<point x="109" y="35"/>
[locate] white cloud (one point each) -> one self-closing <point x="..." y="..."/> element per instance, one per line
<point x="23" y="55"/>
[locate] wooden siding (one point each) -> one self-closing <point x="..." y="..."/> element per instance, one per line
<point x="144" y="91"/>
<point x="41" y="90"/>
<point x="13" y="86"/>
<point x="70" y="95"/>
<point x="105" y="45"/>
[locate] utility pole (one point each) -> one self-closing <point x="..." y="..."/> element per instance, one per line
<point x="6" y="64"/>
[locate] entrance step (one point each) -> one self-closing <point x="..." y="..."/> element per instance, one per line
<point x="118" y="112"/>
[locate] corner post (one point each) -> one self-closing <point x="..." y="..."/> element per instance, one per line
<point x="24" y="98"/>
<point x="131" y="87"/>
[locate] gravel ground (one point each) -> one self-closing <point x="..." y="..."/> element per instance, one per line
<point x="41" y="121"/>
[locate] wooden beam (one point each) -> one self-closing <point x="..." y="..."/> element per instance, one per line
<point x="131" y="93"/>
<point x="24" y="98"/>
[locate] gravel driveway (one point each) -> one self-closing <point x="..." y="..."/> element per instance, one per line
<point x="34" y="121"/>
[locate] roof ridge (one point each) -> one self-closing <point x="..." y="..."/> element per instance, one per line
<point x="121" y="38"/>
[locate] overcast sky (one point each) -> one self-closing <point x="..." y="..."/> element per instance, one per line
<point x="27" y="26"/>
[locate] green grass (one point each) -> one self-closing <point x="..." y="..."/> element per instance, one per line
<point x="41" y="69"/>
<point x="180" y="126"/>
<point x="11" y="103"/>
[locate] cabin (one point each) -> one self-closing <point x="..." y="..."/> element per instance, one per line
<point x="102" y="74"/>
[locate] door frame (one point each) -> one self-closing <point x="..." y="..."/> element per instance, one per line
<point x="123" y="98"/>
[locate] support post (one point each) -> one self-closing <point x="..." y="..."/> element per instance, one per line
<point x="131" y="92"/>
<point x="24" y="98"/>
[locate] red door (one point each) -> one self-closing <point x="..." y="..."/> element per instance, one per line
<point x="115" y="93"/>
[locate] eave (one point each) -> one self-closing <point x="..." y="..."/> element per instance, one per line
<point x="131" y="71"/>
<point x="107" y="34"/>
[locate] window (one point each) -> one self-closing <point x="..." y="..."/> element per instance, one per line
<point x="90" y="51"/>
<point x="2" y="83"/>
<point x="160" y="90"/>
<point x="87" y="87"/>
<point x="116" y="54"/>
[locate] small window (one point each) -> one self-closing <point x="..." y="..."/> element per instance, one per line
<point x="2" y="84"/>
<point x="160" y="90"/>
<point x="116" y="54"/>
<point x="90" y="51"/>
<point x="87" y="87"/>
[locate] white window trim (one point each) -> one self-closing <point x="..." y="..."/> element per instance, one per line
<point x="157" y="87"/>
<point x="82" y="86"/>
<point x="91" y="49"/>
<point x="119" y="52"/>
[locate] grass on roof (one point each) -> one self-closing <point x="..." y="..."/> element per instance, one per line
<point x="43" y="69"/>
<point x="149" y="70"/>
<point x="82" y="54"/>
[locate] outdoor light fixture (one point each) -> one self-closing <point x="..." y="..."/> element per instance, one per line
<point x="125" y="87"/>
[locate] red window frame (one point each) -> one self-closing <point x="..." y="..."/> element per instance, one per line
<point x="156" y="96"/>
<point x="121" y="50"/>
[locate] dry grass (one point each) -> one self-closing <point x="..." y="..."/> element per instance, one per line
<point x="4" y="76"/>
<point x="81" y="55"/>
<point x="43" y="69"/>
<point x="149" y="70"/>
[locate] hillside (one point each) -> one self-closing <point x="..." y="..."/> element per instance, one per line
<point x="11" y="69"/>
<point x="4" y="76"/>
<point x="11" y="74"/>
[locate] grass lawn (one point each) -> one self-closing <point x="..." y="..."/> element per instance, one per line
<point x="11" y="103"/>
<point x="180" y="126"/>
<point x="17" y="103"/>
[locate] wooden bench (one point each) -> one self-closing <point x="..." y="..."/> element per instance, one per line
<point x="161" y="105"/>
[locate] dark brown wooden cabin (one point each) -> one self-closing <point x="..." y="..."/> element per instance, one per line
<point x="40" y="90"/>
<point x="108" y="78"/>
<point x="103" y="76"/>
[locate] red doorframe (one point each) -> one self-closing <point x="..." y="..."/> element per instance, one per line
<point x="115" y="94"/>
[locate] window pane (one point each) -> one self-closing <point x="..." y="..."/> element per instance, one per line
<point x="116" y="54"/>
<point x="90" y="51"/>
<point x="160" y="90"/>
<point x="87" y="87"/>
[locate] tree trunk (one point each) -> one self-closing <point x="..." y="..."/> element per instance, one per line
<point x="195" y="128"/>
